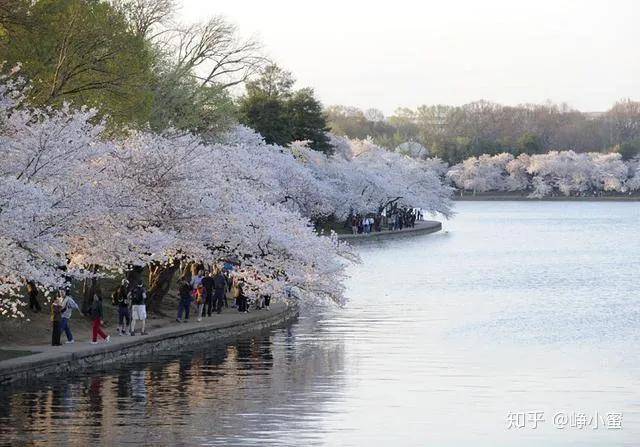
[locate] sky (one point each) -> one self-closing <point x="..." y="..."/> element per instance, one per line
<point x="405" y="53"/>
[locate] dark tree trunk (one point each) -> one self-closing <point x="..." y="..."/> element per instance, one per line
<point x="89" y="288"/>
<point x="390" y="202"/>
<point x="134" y="276"/>
<point x="160" y="277"/>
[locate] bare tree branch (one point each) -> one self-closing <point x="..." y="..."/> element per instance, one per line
<point x="213" y="53"/>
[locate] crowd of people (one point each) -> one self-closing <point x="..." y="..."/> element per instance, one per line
<point x="211" y="291"/>
<point x="208" y="293"/>
<point x="393" y="218"/>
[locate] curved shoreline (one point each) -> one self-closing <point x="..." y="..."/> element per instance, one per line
<point x="48" y="361"/>
<point x="521" y="198"/>
<point x="422" y="227"/>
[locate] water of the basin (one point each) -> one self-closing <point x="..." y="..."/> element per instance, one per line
<point x="516" y="312"/>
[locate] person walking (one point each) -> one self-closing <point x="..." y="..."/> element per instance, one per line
<point x="220" y="290"/>
<point x="32" y="292"/>
<point x="208" y="284"/>
<point x="56" y="318"/>
<point x="196" y="281"/>
<point x="138" y="297"/>
<point x="241" y="298"/>
<point x="234" y="292"/>
<point x="68" y="305"/>
<point x="121" y="300"/>
<point x="97" y="316"/>
<point x="200" y="297"/>
<point x="184" y="305"/>
<point x="229" y="287"/>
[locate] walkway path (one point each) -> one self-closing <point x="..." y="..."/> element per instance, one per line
<point x="422" y="227"/>
<point x="47" y="359"/>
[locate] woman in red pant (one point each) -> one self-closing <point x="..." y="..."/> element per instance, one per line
<point x="97" y="315"/>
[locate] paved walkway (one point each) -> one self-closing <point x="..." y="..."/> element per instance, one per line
<point x="46" y="355"/>
<point x="422" y="227"/>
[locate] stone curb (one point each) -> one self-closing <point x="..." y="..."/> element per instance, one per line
<point x="423" y="227"/>
<point x="82" y="357"/>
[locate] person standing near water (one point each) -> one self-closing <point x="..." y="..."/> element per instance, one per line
<point x="121" y="299"/>
<point x="220" y="286"/>
<point x="32" y="292"/>
<point x="196" y="281"/>
<point x="97" y="316"/>
<point x="266" y="301"/>
<point x="208" y="284"/>
<point x="68" y="305"/>
<point x="241" y="298"/>
<point x="138" y="297"/>
<point x="200" y="297"/>
<point x="56" y="317"/>
<point x="184" y="305"/>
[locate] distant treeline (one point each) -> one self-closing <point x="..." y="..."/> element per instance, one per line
<point x="457" y="133"/>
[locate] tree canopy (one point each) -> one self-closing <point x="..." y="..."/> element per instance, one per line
<point x="281" y="114"/>
<point x="129" y="59"/>
<point x="79" y="51"/>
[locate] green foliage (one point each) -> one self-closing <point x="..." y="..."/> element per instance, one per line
<point x="306" y="119"/>
<point x="529" y="144"/>
<point x="183" y="103"/>
<point x="452" y="151"/>
<point x="266" y="115"/>
<point x="282" y="115"/>
<point x="80" y="51"/>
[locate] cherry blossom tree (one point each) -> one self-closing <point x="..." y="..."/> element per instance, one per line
<point x="518" y="179"/>
<point x="361" y="177"/>
<point x="563" y="172"/>
<point x="633" y="182"/>
<point x="412" y="149"/>
<point x="482" y="174"/>
<point x="50" y="183"/>
<point x="76" y="204"/>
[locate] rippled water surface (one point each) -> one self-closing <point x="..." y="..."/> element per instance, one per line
<point x="515" y="308"/>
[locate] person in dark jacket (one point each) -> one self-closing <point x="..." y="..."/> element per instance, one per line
<point x="138" y="296"/>
<point x="184" y="305"/>
<point x="32" y="292"/>
<point x="56" y="320"/>
<point x="122" y="301"/>
<point x="220" y="287"/>
<point x="97" y="316"/>
<point x="208" y="284"/>
<point x="243" y="302"/>
<point x="266" y="301"/>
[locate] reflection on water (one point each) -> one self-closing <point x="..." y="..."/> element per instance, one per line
<point x="517" y="307"/>
<point x="240" y="393"/>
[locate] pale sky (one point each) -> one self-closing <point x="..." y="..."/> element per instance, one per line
<point x="406" y="53"/>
